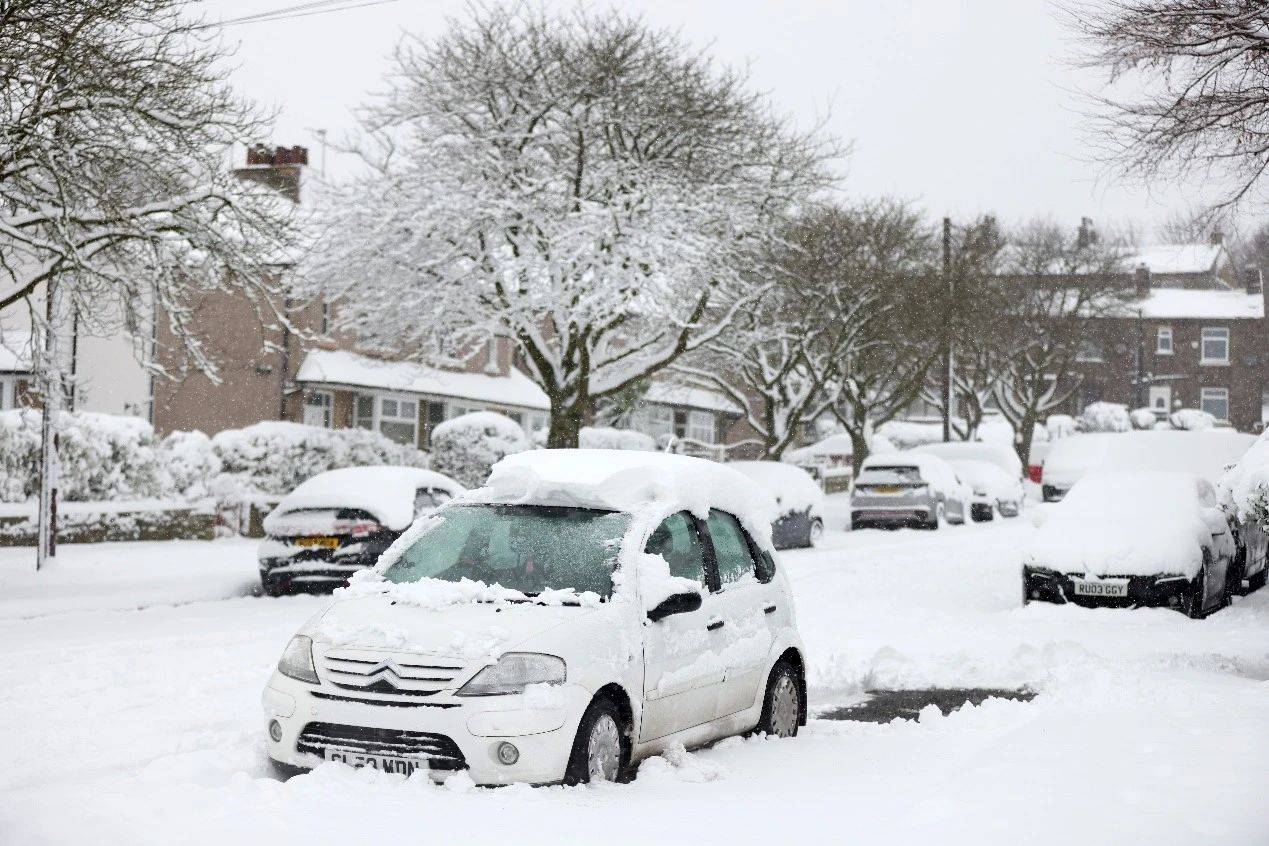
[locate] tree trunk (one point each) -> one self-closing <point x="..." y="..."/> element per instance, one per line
<point x="858" y="448"/>
<point x="566" y="426"/>
<point x="1022" y="438"/>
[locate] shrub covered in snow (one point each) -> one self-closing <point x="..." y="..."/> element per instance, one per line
<point x="1142" y="418"/>
<point x="1191" y="419"/>
<point x="602" y="437"/>
<point x="467" y="447"/>
<point x="273" y="457"/>
<point x="1104" y="417"/>
<point x="103" y="456"/>
<point x="191" y="462"/>
<point x="1244" y="488"/>
<point x="1060" y="426"/>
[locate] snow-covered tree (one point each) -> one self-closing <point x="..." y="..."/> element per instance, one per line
<point x="1104" y="417"/>
<point x="115" y="127"/>
<point x="1056" y="286"/>
<point x="591" y="187"/>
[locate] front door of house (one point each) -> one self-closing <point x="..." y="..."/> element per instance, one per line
<point x="1161" y="398"/>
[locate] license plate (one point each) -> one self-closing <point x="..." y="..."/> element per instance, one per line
<point x="318" y="543"/>
<point x="1116" y="588"/>
<point x="383" y="763"/>
<point x="887" y="489"/>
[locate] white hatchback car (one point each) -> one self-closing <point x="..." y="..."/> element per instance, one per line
<point x="583" y="610"/>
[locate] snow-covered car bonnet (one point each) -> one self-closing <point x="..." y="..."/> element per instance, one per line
<point x="386" y="492"/>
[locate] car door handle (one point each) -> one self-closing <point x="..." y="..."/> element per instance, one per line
<point x="715" y="626"/>
<point x="770" y="609"/>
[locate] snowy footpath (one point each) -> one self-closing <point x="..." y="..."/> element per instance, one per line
<point x="130" y="697"/>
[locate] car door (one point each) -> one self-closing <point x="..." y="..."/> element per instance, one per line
<point x="747" y="609"/>
<point x="681" y="675"/>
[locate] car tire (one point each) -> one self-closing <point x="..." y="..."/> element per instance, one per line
<point x="1258" y="581"/>
<point x="816" y="534"/>
<point x="782" y="702"/>
<point x="1192" y="602"/>
<point x="938" y="518"/>
<point x="274" y="587"/>
<point x="594" y="756"/>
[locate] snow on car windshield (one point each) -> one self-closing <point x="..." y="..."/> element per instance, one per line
<point x="527" y="548"/>
<point x="890" y="476"/>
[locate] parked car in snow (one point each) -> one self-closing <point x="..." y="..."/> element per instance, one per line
<point x="907" y="488"/>
<point x="581" y="611"/>
<point x="993" y="472"/>
<point x="798" y="497"/>
<point x="1132" y="538"/>
<point x="1243" y="491"/>
<point x="338" y="522"/>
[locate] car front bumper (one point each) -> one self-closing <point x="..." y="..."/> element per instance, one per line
<point x="1043" y="585"/>
<point x="542" y="728"/>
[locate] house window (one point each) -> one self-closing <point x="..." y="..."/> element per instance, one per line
<point x="657" y="420"/>
<point x="319" y="409"/>
<point x="1163" y="341"/>
<point x="1215" y="401"/>
<point x="1215" y="345"/>
<point x="700" y="426"/>
<point x="399" y="419"/>
<point x="8" y="392"/>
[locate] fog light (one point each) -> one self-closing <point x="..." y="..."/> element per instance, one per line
<point x="508" y="753"/>
<point x="275" y="731"/>
<point x="1035" y="594"/>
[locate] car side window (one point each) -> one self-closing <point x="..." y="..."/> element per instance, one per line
<point x="676" y="540"/>
<point x="731" y="549"/>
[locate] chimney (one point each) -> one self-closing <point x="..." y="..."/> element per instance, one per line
<point x="1142" y="279"/>
<point x="1087" y="236"/>
<point x="279" y="168"/>
<point x="1253" y="279"/>
<point x="1217" y="238"/>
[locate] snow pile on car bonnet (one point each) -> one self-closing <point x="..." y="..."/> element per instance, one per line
<point x="1125" y="524"/>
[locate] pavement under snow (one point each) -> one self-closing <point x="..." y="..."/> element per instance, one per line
<point x="130" y="697"/>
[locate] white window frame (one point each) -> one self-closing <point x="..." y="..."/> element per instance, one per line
<point x="8" y="391"/>
<point x="360" y="421"/>
<point x="1215" y="394"/>
<point x="327" y="406"/>
<point x="378" y="418"/>
<point x="658" y="420"/>
<point x="1215" y="334"/>
<point x="701" y="426"/>
<point x="1163" y="341"/>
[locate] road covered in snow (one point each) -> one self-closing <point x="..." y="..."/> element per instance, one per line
<point x="131" y="685"/>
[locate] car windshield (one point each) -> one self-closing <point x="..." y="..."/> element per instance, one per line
<point x="529" y="548"/>
<point x="890" y="476"/>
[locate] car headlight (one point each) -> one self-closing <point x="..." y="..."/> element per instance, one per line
<point x="297" y="660"/>
<point x="513" y="673"/>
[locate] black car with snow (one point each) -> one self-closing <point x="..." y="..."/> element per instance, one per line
<point x="340" y="521"/>
<point x="1132" y="538"/>
<point x="797" y="495"/>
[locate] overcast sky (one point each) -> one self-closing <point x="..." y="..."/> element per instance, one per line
<point x="963" y="105"/>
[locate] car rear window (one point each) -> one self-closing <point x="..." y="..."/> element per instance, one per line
<point x="890" y="476"/>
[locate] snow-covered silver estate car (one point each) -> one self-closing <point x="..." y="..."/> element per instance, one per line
<point x="583" y="610"/>
<point x="341" y="521"/>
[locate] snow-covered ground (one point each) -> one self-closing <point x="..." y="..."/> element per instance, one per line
<point x="130" y="697"/>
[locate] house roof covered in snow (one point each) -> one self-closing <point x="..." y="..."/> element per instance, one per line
<point x="1180" y="303"/>
<point x="1179" y="258"/>
<point x="340" y="367"/>
<point x="691" y="396"/>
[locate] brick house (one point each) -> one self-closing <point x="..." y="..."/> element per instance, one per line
<point x="1191" y="334"/>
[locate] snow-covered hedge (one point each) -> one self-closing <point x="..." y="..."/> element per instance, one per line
<point x="1104" y="417"/>
<point x="192" y="463"/>
<point x="1060" y="426"/>
<point x="1244" y="488"/>
<point x="602" y="437"/>
<point x="1142" y="418"/>
<point x="1191" y="419"/>
<point x="274" y="456"/>
<point x="467" y="447"/>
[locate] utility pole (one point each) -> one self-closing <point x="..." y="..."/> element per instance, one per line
<point x="947" y="331"/>
<point x="51" y="389"/>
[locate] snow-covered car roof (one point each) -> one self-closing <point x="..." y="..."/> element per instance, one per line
<point x="1206" y="453"/>
<point x="386" y="492"/>
<point x="793" y="487"/>
<point x="934" y="470"/>
<point x="629" y="481"/>
<point x="956" y="451"/>
<point x="988" y="478"/>
<point x="1126" y="523"/>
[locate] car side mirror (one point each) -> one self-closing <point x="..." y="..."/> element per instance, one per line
<point x="678" y="603"/>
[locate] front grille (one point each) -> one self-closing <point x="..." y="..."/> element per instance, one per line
<point x="441" y="752"/>
<point x="405" y="675"/>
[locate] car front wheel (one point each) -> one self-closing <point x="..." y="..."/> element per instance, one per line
<point x="816" y="533"/>
<point x="600" y="751"/>
<point x="1192" y="602"/>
